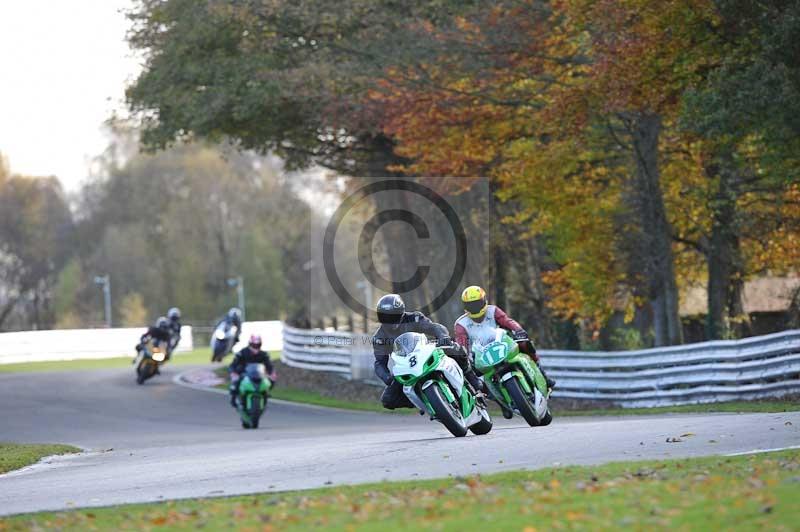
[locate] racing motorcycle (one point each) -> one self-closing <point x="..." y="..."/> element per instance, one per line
<point x="513" y="379"/>
<point x="253" y="392"/>
<point x="435" y="384"/>
<point x="223" y="340"/>
<point x="151" y="355"/>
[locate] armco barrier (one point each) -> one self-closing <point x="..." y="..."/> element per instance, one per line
<point x="73" y="344"/>
<point x="752" y="368"/>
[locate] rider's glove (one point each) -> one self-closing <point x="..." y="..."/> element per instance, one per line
<point x="520" y="335"/>
<point x="444" y="342"/>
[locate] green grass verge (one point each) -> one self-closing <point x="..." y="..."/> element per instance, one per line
<point x="313" y="398"/>
<point x="757" y="492"/>
<point x="16" y="455"/>
<point x="200" y="355"/>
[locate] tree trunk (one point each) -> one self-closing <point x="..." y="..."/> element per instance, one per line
<point x="648" y="200"/>
<point x="725" y="281"/>
<point x="497" y="253"/>
<point x="5" y="312"/>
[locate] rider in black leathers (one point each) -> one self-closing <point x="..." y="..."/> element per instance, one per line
<point x="395" y="321"/>
<point x="252" y="354"/>
<point x="159" y="332"/>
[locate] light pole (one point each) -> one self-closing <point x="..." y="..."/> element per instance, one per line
<point x="105" y="282"/>
<point x="238" y="282"/>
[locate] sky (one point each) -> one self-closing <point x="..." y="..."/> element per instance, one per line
<point x="64" y="65"/>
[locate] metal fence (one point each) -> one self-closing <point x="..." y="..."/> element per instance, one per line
<point x="752" y="368"/>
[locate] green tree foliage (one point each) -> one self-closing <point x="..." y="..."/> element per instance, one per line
<point x="172" y="227"/>
<point x="645" y="145"/>
<point x="132" y="311"/>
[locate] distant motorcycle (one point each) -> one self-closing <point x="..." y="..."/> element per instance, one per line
<point x="223" y="340"/>
<point x="253" y="392"/>
<point x="513" y="379"/>
<point x="149" y="358"/>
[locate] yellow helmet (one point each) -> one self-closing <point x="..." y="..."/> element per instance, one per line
<point x="474" y="299"/>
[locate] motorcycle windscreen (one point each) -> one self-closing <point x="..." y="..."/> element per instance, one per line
<point x="407" y="343"/>
<point x="255" y="372"/>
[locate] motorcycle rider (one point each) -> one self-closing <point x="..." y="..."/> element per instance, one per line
<point x="174" y="317"/>
<point x="233" y="317"/>
<point x="395" y="321"/>
<point x="481" y="319"/>
<point x="252" y="354"/>
<point x="159" y="333"/>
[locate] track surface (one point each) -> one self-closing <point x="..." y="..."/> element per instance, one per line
<point x="162" y="441"/>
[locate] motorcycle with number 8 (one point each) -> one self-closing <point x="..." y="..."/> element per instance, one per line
<point x="435" y="384"/>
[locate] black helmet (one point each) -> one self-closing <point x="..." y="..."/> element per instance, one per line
<point x="162" y="323"/>
<point x="391" y="309"/>
<point x="235" y="314"/>
<point x="174" y="314"/>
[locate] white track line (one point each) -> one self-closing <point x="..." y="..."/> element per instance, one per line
<point x="758" y="451"/>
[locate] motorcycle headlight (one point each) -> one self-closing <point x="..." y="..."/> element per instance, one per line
<point x="219" y="335"/>
<point x="158" y="356"/>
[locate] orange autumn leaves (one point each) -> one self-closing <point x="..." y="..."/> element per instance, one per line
<point x="541" y="116"/>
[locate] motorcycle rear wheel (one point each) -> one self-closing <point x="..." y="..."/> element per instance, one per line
<point x="482" y="427"/>
<point x="444" y="411"/>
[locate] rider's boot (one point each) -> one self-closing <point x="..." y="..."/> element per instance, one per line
<point x="479" y="388"/>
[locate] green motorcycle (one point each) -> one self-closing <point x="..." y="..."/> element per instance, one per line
<point x="513" y="379"/>
<point x="435" y="384"/>
<point x="252" y="397"/>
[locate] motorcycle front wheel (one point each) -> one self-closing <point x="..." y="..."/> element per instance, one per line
<point x="144" y="371"/>
<point x="445" y="412"/>
<point x="521" y="401"/>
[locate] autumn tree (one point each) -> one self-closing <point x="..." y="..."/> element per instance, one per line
<point x="35" y="243"/>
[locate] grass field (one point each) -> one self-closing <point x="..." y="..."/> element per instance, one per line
<point x="756" y="492"/>
<point x="16" y="455"/>
<point x="200" y="355"/>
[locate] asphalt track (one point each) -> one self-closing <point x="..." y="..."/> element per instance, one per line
<point x="163" y="441"/>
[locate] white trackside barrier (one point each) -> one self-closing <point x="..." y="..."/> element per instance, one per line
<point x="752" y="368"/>
<point x="74" y="344"/>
<point x="271" y="335"/>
